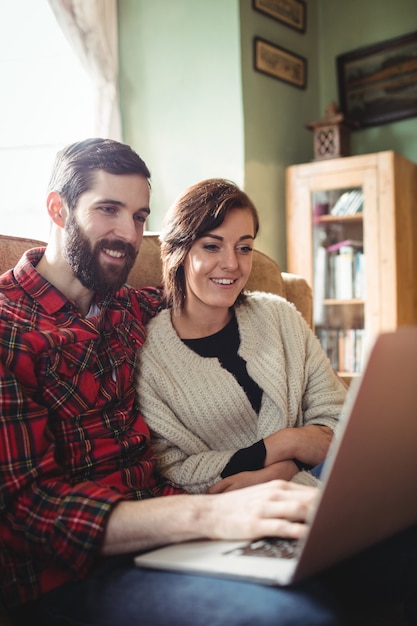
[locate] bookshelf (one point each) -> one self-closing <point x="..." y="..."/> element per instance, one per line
<point x="352" y="233"/>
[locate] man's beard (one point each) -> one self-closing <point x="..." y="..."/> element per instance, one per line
<point x="84" y="260"/>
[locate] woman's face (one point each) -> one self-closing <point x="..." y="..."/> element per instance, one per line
<point x="218" y="264"/>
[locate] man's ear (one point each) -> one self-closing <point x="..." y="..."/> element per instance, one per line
<point x="57" y="210"/>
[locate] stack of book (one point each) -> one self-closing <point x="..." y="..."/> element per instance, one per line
<point x="349" y="203"/>
<point x="339" y="273"/>
<point x="344" y="279"/>
<point x="344" y="348"/>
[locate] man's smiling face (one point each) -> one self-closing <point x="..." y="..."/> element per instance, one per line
<point x="104" y="232"/>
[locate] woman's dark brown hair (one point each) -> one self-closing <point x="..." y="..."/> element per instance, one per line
<point x="199" y="210"/>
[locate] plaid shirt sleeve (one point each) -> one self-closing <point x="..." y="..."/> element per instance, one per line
<point x="43" y="513"/>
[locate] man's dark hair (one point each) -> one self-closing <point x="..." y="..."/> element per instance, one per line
<point x="75" y="166"/>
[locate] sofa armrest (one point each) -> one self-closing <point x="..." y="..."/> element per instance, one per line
<point x="299" y="292"/>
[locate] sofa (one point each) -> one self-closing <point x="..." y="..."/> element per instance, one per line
<point x="265" y="276"/>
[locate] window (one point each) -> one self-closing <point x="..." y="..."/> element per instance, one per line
<point x="47" y="102"/>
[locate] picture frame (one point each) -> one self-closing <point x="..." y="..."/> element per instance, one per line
<point x="378" y="84"/>
<point x="280" y="63"/>
<point x="292" y="13"/>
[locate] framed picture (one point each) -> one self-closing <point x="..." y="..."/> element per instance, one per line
<point x="378" y="84"/>
<point x="292" y="13"/>
<point x="280" y="63"/>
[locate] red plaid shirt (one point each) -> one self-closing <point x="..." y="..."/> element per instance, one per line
<point x="72" y="443"/>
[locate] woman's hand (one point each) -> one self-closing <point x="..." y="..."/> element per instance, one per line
<point x="308" y="444"/>
<point x="283" y="470"/>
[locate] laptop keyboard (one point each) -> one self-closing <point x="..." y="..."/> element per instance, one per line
<point x="271" y="546"/>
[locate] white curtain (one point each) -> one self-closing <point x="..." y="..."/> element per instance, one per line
<point x="90" y="26"/>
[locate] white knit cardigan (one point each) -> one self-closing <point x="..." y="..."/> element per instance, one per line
<point x="197" y="412"/>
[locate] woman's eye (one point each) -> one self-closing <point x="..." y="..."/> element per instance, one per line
<point x="245" y="249"/>
<point x="211" y="247"/>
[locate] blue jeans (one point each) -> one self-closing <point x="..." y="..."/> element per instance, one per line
<point x="317" y="470"/>
<point x="119" y="594"/>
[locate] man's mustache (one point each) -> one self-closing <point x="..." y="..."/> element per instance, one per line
<point x="121" y="246"/>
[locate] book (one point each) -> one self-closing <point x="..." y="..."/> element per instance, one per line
<point x="349" y="203"/>
<point x="319" y="285"/>
<point x="345" y="270"/>
<point x="344" y="348"/>
<point x="344" y="273"/>
<point x="359" y="276"/>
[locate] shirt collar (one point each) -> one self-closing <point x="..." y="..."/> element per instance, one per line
<point x="35" y="285"/>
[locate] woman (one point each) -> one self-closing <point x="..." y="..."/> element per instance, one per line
<point x="234" y="386"/>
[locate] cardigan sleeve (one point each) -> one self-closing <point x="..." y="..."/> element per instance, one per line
<point x="287" y="361"/>
<point x="176" y="454"/>
<point x="199" y="416"/>
<point x="182" y="456"/>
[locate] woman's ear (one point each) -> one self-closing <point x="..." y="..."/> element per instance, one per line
<point x="56" y="209"/>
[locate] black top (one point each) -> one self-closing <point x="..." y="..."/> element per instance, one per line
<point x="225" y="345"/>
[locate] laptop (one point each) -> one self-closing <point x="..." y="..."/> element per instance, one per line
<point x="369" y="488"/>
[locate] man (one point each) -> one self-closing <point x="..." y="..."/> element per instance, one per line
<point x="79" y="490"/>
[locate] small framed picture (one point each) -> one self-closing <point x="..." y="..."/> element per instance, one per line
<point x="378" y="83"/>
<point x="280" y="63"/>
<point x="292" y="13"/>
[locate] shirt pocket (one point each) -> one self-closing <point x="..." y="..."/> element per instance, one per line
<point x="70" y="384"/>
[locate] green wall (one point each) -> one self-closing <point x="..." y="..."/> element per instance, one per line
<point x="180" y="83"/>
<point x="347" y="26"/>
<point x="275" y="114"/>
<point x="193" y="106"/>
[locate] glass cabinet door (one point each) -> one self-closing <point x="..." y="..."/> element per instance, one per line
<point x="339" y="276"/>
<point x="351" y="233"/>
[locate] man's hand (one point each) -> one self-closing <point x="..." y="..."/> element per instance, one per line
<point x="273" y="509"/>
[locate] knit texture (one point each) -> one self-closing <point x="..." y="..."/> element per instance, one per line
<point x="198" y="414"/>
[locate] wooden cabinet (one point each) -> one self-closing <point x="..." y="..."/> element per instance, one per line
<point x="352" y="233"/>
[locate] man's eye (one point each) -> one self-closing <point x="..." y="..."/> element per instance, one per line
<point x="140" y="218"/>
<point x="108" y="209"/>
